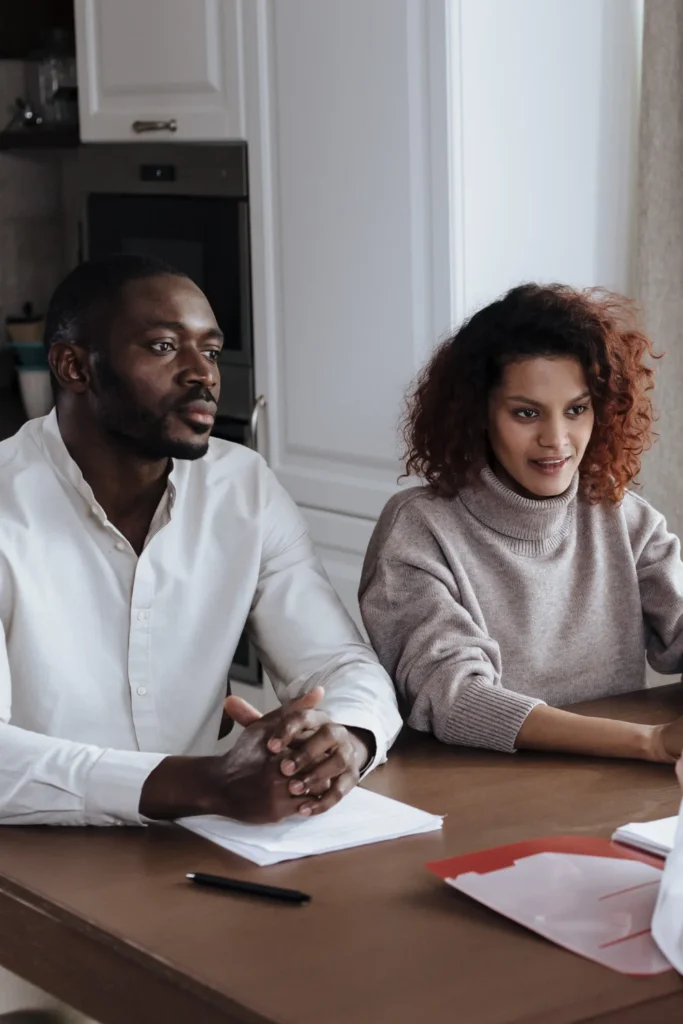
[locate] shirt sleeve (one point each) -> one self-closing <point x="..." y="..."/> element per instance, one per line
<point x="446" y="667"/>
<point x="667" y="923"/>
<point x="305" y="637"/>
<point x="660" y="580"/>
<point x="48" y="781"/>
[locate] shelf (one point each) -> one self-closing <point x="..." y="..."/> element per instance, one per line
<point x="40" y="138"/>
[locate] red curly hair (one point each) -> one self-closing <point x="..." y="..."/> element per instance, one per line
<point x="444" y="427"/>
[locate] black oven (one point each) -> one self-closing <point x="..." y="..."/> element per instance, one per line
<point x="189" y="206"/>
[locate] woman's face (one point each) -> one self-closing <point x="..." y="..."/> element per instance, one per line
<point x="540" y="421"/>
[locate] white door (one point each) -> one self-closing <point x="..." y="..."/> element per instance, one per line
<point x="347" y="131"/>
<point x="341" y="543"/>
<point x="172" y="67"/>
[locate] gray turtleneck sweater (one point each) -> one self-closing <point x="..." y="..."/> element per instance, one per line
<point x="484" y="605"/>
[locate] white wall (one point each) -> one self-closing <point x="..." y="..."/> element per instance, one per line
<point x="545" y="117"/>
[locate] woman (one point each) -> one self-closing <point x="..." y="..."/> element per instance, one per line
<point x="667" y="923"/>
<point x="525" y="575"/>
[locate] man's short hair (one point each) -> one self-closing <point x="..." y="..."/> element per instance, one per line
<point x="93" y="287"/>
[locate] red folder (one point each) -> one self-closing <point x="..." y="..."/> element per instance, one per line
<point x="562" y="888"/>
<point x="504" y="856"/>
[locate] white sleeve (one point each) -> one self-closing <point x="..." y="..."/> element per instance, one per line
<point x="304" y="635"/>
<point x="48" y="781"/>
<point x="667" y="923"/>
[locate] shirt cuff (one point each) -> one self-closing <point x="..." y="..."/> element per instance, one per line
<point x="115" y="782"/>
<point x="488" y="716"/>
<point x="353" y="717"/>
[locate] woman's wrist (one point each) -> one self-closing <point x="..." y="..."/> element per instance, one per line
<point x="657" y="749"/>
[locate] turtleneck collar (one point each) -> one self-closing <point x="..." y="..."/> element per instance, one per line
<point x="538" y="525"/>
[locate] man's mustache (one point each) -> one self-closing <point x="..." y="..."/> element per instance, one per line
<point x="200" y="394"/>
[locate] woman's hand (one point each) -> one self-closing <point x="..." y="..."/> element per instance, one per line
<point x="667" y="741"/>
<point x="679" y="771"/>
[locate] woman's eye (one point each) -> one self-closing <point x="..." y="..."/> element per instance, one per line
<point x="576" y="410"/>
<point x="525" y="414"/>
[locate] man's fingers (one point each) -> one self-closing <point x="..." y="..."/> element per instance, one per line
<point x="295" y="726"/>
<point x="306" y="700"/>
<point x="315" y="779"/>
<point x="316" y="789"/>
<point x="339" y="788"/>
<point x="241" y="711"/>
<point x="326" y="739"/>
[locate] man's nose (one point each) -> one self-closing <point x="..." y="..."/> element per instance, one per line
<point x="197" y="369"/>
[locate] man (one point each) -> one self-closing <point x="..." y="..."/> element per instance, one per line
<point x="133" y="550"/>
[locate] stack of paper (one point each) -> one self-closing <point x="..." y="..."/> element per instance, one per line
<point x="361" y="817"/>
<point x="652" y="836"/>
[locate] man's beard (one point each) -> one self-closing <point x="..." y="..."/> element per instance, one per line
<point x="140" y="430"/>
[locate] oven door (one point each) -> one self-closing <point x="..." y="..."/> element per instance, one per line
<point x="246" y="667"/>
<point x="206" y="237"/>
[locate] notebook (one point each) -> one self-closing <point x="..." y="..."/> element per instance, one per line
<point x="652" y="836"/>
<point x="361" y="817"/>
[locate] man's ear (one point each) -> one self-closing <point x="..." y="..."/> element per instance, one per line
<point x="70" y="365"/>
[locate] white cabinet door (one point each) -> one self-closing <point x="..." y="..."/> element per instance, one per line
<point x="163" y="62"/>
<point x="341" y="543"/>
<point x="347" y="131"/>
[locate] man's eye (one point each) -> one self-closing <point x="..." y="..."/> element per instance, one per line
<point x="162" y="346"/>
<point x="213" y="354"/>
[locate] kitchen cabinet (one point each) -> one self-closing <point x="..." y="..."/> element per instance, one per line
<point x="160" y="69"/>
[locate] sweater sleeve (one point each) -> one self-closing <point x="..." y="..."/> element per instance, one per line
<point x="660" y="580"/>
<point x="446" y="667"/>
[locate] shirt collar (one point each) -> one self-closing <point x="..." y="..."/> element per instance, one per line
<point x="58" y="455"/>
<point x="526" y="519"/>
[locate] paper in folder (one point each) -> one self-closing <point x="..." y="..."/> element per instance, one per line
<point x="589" y="895"/>
<point x="361" y="817"/>
<point x="655" y="837"/>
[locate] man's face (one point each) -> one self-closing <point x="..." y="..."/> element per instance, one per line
<point x="155" y="379"/>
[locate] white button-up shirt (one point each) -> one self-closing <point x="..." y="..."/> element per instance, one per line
<point x="667" y="924"/>
<point x="110" y="661"/>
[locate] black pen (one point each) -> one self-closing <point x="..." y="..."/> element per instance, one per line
<point x="272" y="892"/>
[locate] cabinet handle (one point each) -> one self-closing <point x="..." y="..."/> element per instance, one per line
<point x="259" y="404"/>
<point x="155" y="126"/>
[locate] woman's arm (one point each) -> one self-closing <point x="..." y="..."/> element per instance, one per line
<point x="657" y="554"/>
<point x="447" y="668"/>
<point x="553" y="729"/>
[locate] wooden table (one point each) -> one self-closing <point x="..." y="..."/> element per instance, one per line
<point x="104" y="920"/>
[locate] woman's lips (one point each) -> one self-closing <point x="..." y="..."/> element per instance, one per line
<point x="549" y="467"/>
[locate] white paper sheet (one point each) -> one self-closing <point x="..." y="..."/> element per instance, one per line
<point x="652" y="836"/>
<point x="361" y="817"/>
<point x="599" y="907"/>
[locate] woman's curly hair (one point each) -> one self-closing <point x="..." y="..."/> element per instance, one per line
<point x="444" y="427"/>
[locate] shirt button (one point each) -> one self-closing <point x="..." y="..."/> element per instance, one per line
<point x="120" y="545"/>
<point x="141" y="691"/>
<point x="142" y="616"/>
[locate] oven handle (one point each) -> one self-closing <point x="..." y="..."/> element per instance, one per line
<point x="155" y="126"/>
<point x="259" y="404"/>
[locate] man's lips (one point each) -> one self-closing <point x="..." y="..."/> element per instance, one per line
<point x="202" y="413"/>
